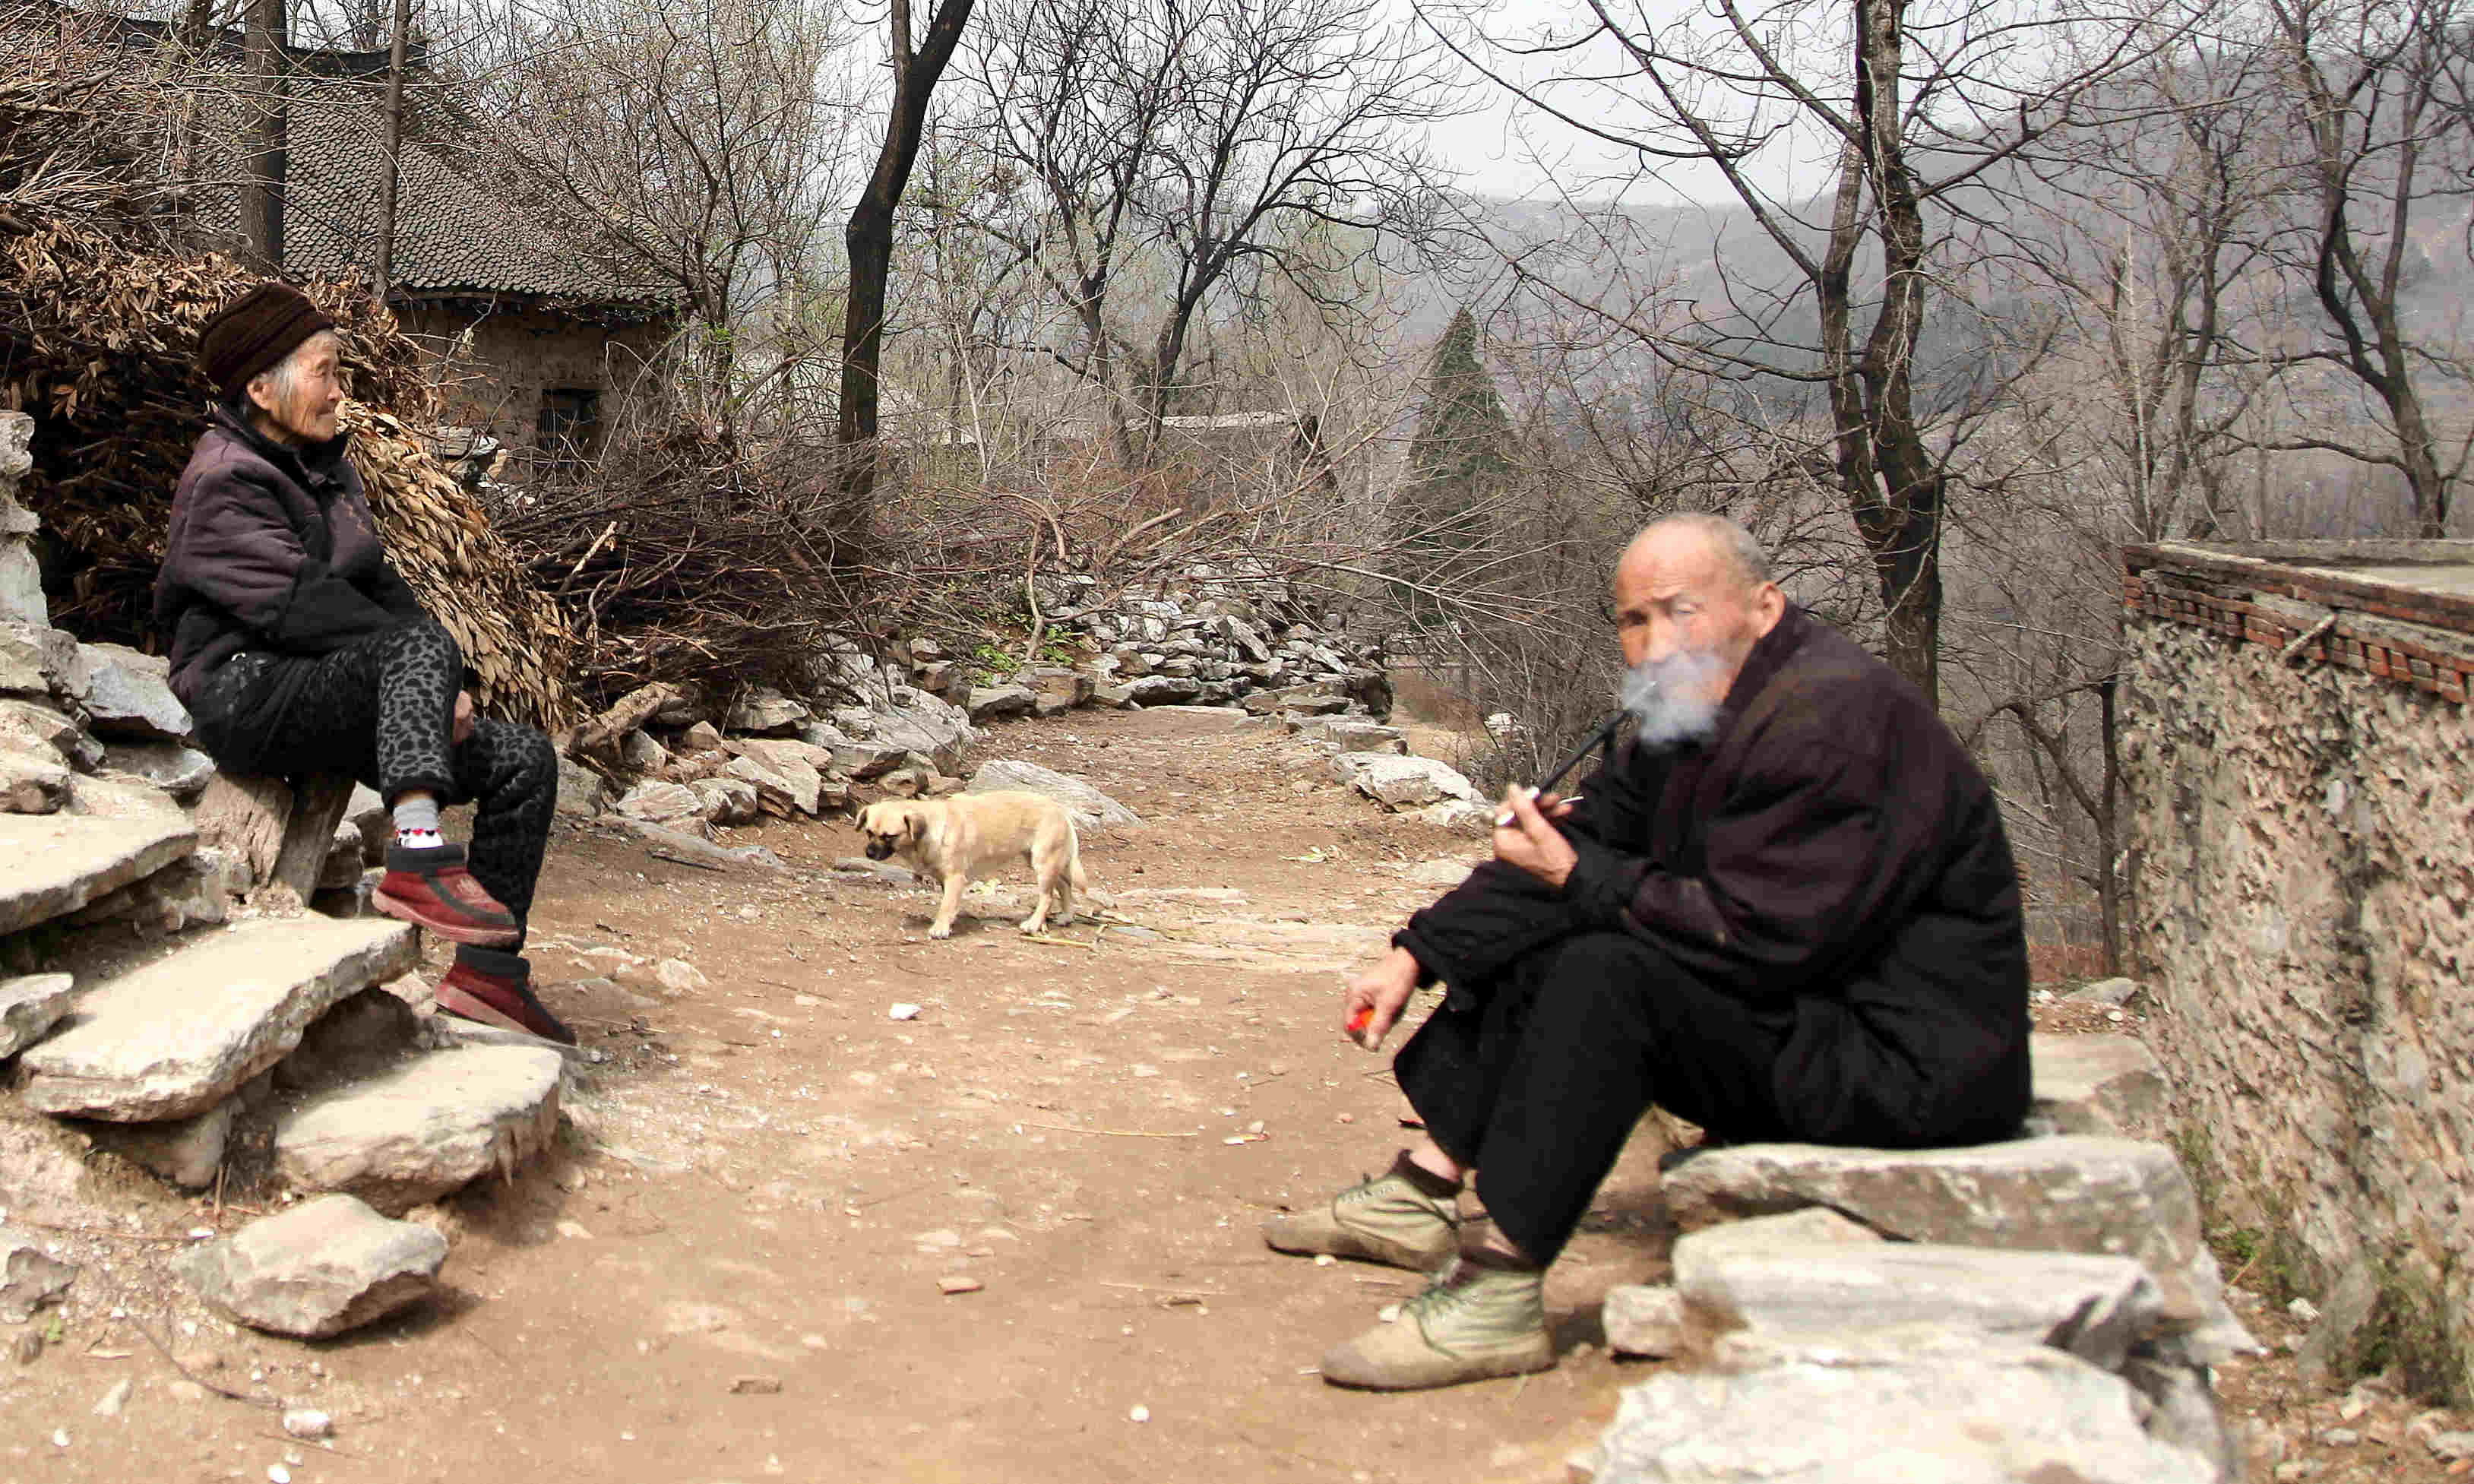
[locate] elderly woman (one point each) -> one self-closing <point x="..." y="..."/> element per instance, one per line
<point x="297" y="650"/>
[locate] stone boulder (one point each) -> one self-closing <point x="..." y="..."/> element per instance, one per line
<point x="2071" y="1194"/>
<point x="2107" y="1084"/>
<point x="324" y="1267"/>
<point x="29" y="1277"/>
<point x="37" y="661"/>
<point x="581" y="789"/>
<point x="785" y="781"/>
<point x="33" y="723"/>
<point x="1092" y="809"/>
<point x="1920" y="1405"/>
<point x="186" y="1151"/>
<point x="432" y="1125"/>
<point x="1403" y="782"/>
<point x="130" y="694"/>
<point x="764" y="712"/>
<point x="2095" y="1307"/>
<point x="32" y="783"/>
<point x="671" y="805"/>
<point x="182" y="772"/>
<point x="30" y="1007"/>
<point x="728" y="800"/>
<point x="997" y="703"/>
<point x="1164" y="690"/>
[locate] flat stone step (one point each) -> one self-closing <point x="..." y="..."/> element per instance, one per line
<point x="52" y="864"/>
<point x="2097" y="1085"/>
<point x="171" y="1039"/>
<point x="430" y="1124"/>
<point x="2069" y="1194"/>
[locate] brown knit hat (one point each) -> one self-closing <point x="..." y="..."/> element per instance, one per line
<point x="255" y="331"/>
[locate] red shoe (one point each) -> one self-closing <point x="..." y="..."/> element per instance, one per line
<point x="431" y="889"/>
<point x="495" y="989"/>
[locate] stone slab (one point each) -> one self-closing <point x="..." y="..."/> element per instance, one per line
<point x="2075" y="1194"/>
<point x="52" y="864"/>
<point x="29" y="1277"/>
<point x="433" y="1124"/>
<point x="37" y="661"/>
<point x="324" y="1267"/>
<point x="186" y="1151"/>
<point x="175" y="1036"/>
<point x="1403" y="783"/>
<point x="2095" y="1307"/>
<point x="1915" y="1406"/>
<point x="31" y="1006"/>
<point x="182" y="772"/>
<point x="2104" y="1084"/>
<point x="1092" y="809"/>
<point x="996" y="702"/>
<point x="1651" y="1321"/>
<point x="130" y="694"/>
<point x="33" y="781"/>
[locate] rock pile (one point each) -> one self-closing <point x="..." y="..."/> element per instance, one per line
<point x="2041" y="1308"/>
<point x="898" y="723"/>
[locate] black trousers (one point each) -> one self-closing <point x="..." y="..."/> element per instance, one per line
<point x="383" y="710"/>
<point x="1536" y="1080"/>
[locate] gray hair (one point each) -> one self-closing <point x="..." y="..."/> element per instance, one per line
<point x="1734" y="543"/>
<point x="282" y="380"/>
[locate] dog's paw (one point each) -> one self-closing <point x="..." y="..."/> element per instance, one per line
<point x="940" y="933"/>
<point x="1033" y="928"/>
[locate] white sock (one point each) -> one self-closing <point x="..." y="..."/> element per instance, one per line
<point x="416" y="822"/>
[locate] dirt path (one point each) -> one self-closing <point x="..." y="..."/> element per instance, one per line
<point x="768" y="1177"/>
<point x="772" y="1175"/>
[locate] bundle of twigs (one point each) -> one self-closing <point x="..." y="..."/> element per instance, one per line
<point x="99" y="319"/>
<point x="683" y="560"/>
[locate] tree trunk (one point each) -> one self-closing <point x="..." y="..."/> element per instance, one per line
<point x="382" y="278"/>
<point x="2108" y="829"/>
<point x="262" y="199"/>
<point x="868" y="237"/>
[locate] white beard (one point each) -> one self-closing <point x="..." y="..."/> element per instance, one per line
<point x="1671" y="699"/>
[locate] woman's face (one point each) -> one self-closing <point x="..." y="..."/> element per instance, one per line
<point x="302" y="395"/>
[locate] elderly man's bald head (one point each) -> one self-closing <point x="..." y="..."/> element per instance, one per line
<point x="1724" y="539"/>
<point x="1693" y="595"/>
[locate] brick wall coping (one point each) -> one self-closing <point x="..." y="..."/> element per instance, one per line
<point x="2400" y="610"/>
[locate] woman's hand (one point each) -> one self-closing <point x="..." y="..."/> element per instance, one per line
<point x="461" y="731"/>
<point x="1379" y="995"/>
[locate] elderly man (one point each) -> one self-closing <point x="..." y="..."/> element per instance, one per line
<point x="1785" y="910"/>
<point x="299" y="649"/>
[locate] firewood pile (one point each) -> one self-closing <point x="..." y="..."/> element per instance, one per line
<point x="684" y="561"/>
<point x="99" y="319"/>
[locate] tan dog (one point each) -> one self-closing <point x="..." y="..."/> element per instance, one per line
<point x="950" y="839"/>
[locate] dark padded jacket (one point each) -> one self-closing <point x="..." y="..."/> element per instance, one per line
<point x="1832" y="857"/>
<point x="272" y="549"/>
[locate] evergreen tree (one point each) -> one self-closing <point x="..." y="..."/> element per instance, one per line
<point x="1459" y="465"/>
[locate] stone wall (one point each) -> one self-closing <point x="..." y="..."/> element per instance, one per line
<point x="2302" y="784"/>
<point x="515" y="355"/>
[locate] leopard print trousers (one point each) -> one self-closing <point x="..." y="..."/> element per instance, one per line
<point x="383" y="710"/>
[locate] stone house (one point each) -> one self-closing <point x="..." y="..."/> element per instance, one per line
<point x="2300" y="764"/>
<point x="536" y="321"/>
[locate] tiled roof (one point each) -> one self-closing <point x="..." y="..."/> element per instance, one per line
<point x="464" y="225"/>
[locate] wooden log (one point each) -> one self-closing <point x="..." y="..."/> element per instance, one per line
<point x="283" y="832"/>
<point x="310" y="835"/>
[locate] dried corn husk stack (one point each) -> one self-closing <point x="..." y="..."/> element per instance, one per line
<point x="99" y="319"/>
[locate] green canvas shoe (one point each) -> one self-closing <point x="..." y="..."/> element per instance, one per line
<point x="1469" y="1325"/>
<point x="1381" y="1219"/>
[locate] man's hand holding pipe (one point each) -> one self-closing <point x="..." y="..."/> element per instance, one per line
<point x="1530" y="840"/>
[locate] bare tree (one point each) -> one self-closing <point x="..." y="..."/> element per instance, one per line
<point x="1919" y="104"/>
<point x="918" y="62"/>
<point x="1183" y="145"/>
<point x="703" y="137"/>
<point x="2379" y="100"/>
